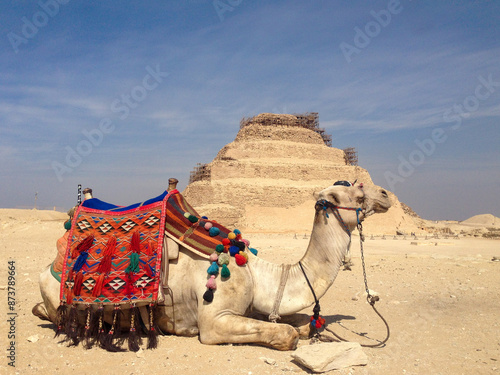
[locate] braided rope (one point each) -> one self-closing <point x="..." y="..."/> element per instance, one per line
<point x="274" y="316"/>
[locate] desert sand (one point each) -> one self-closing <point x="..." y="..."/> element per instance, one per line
<point x="440" y="297"/>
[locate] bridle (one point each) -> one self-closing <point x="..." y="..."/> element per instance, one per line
<point x="323" y="205"/>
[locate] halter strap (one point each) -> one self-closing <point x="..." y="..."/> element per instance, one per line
<point x="323" y="204"/>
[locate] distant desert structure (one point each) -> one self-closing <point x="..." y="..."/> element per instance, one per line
<point x="265" y="179"/>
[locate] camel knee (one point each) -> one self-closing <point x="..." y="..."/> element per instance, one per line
<point x="40" y="311"/>
<point x="287" y="339"/>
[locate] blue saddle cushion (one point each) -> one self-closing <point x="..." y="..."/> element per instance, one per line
<point x="105" y="206"/>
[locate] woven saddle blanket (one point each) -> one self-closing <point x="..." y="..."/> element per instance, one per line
<point x="114" y="253"/>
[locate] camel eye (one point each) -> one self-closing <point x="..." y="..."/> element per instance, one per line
<point x="333" y="198"/>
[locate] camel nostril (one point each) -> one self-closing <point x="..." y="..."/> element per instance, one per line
<point x="384" y="193"/>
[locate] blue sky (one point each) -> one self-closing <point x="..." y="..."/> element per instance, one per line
<point x="120" y="96"/>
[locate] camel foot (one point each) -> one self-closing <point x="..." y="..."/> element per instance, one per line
<point x="40" y="311"/>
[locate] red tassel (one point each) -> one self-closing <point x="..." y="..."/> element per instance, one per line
<point x="130" y="284"/>
<point x="96" y="292"/>
<point x="107" y="256"/>
<point x="83" y="246"/>
<point x="148" y="271"/>
<point x="149" y="250"/>
<point x="135" y="242"/>
<point x="77" y="288"/>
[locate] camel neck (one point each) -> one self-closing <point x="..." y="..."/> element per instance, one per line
<point x="321" y="262"/>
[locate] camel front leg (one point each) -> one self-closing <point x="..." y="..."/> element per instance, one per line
<point x="235" y="329"/>
<point x="301" y="323"/>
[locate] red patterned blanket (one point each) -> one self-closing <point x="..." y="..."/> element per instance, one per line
<point x="114" y="258"/>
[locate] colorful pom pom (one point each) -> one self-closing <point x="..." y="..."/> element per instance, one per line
<point x="253" y="251"/>
<point x="243" y="254"/>
<point x="214" y="231"/>
<point x="219" y="248"/>
<point x="208" y="225"/>
<point x="233" y="250"/>
<point x="240" y="260"/>
<point x="186" y="215"/>
<point x="237" y="231"/>
<point x="67" y="225"/>
<point x="226" y="241"/>
<point x="214" y="257"/>
<point x="208" y="295"/>
<point x="211" y="283"/>
<point x="240" y="245"/>
<point x="223" y="259"/>
<point x="204" y="217"/>
<point x="193" y="219"/>
<point x="231" y="236"/>
<point x="213" y="269"/>
<point x="246" y="242"/>
<point x="225" y="272"/>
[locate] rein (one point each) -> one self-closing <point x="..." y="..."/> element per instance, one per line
<point x="316" y="320"/>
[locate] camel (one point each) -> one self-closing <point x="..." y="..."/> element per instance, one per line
<point x="252" y="290"/>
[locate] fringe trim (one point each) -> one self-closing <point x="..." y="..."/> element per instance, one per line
<point x="96" y="332"/>
<point x="134" y="340"/>
<point x="61" y="318"/>
<point x="87" y="336"/>
<point x="114" y="332"/>
<point x="153" y="328"/>
<point x="72" y="328"/>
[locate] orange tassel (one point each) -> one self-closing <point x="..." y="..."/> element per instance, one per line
<point x="69" y="296"/>
<point x="96" y="292"/>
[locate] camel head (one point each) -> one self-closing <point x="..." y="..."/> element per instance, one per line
<point x="353" y="201"/>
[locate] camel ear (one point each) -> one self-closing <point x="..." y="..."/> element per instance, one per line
<point x="316" y="195"/>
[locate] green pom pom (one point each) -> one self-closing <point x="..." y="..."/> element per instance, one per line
<point x="225" y="272"/>
<point x="67" y="225"/>
<point x="219" y="248"/>
<point x="192" y="218"/>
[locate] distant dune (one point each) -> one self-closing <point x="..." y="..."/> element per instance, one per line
<point x="485" y="219"/>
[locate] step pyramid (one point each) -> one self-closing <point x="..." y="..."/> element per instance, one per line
<point x="264" y="181"/>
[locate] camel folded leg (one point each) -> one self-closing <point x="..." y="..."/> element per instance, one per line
<point x="234" y="329"/>
<point x="301" y="323"/>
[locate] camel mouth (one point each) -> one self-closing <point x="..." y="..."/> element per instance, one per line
<point x="376" y="201"/>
